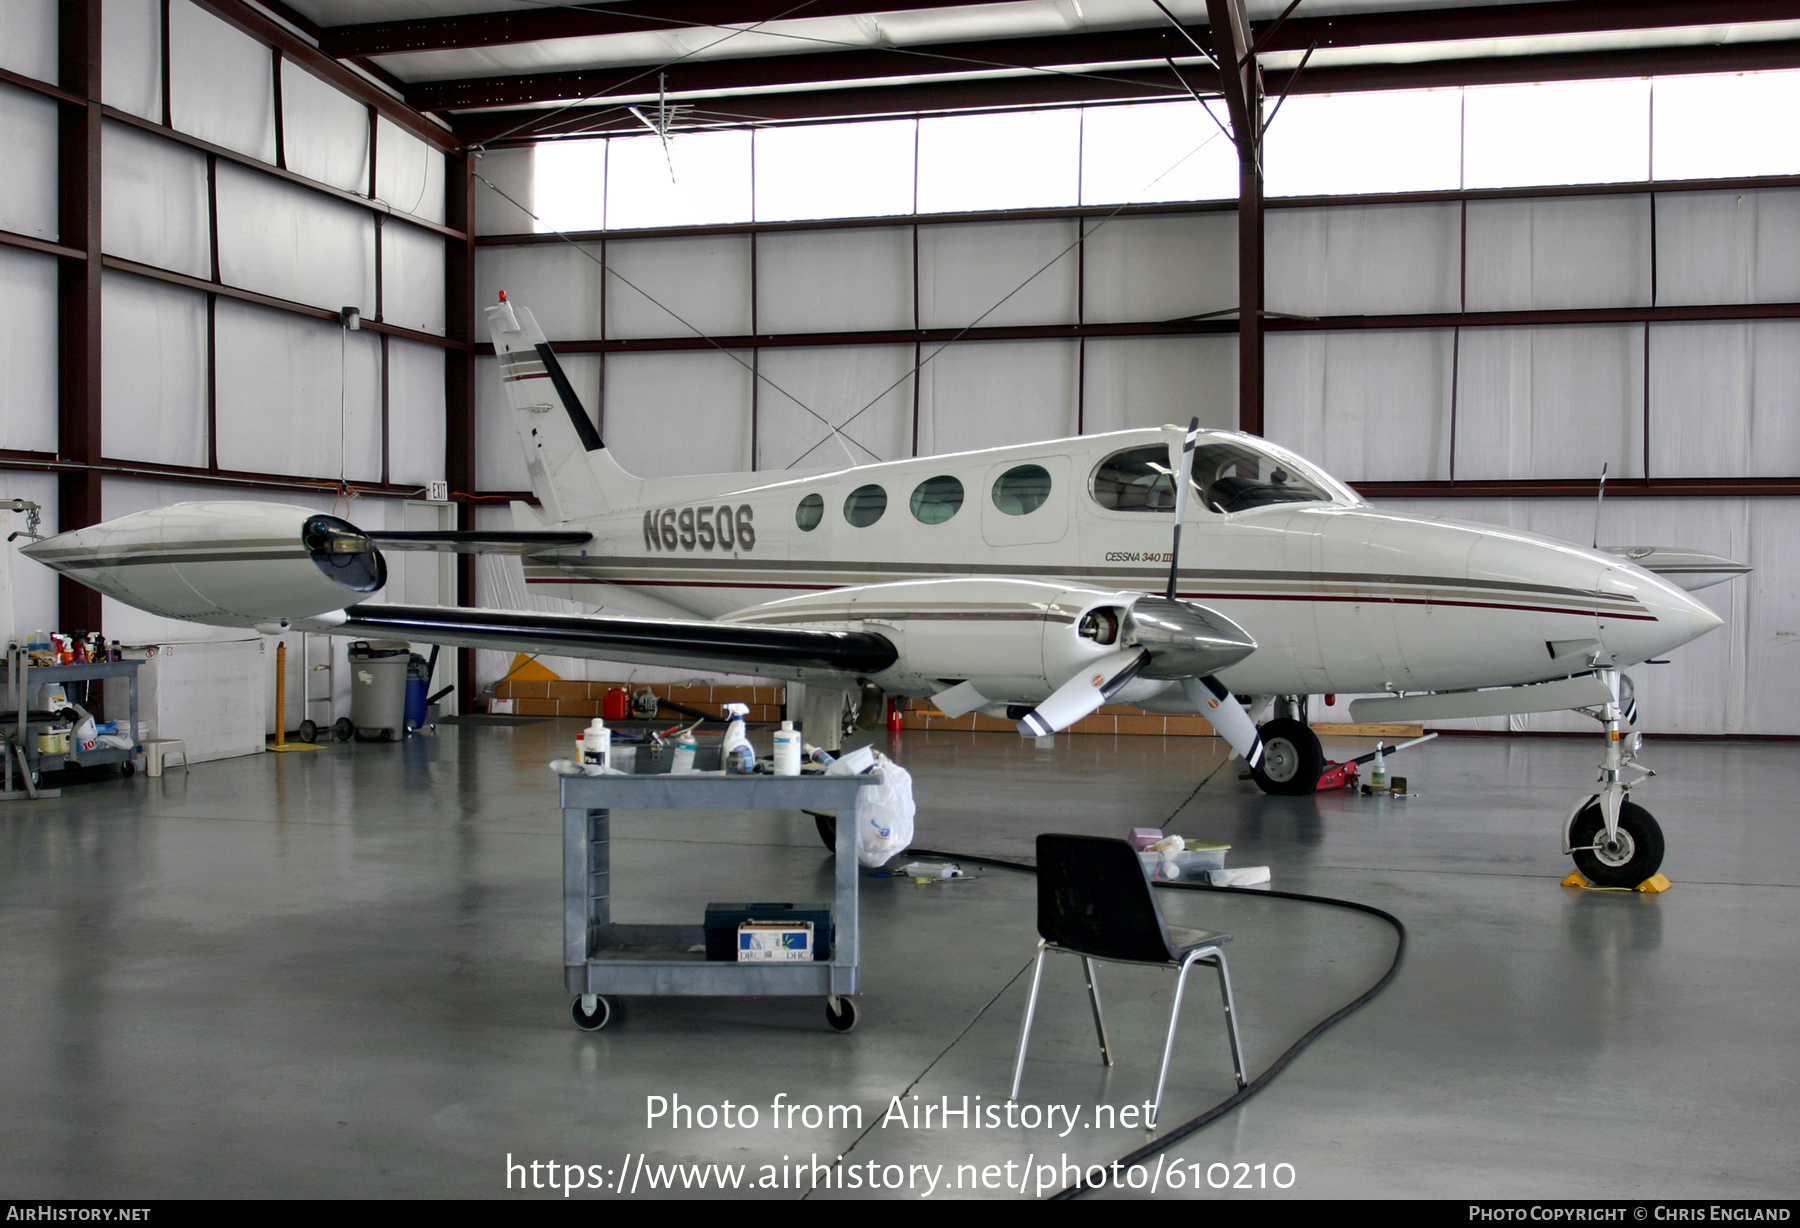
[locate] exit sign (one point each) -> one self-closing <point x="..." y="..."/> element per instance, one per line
<point x="437" y="492"/>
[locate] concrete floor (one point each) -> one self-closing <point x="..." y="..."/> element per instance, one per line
<point x="338" y="974"/>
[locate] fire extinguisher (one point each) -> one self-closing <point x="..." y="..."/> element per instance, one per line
<point x="896" y="715"/>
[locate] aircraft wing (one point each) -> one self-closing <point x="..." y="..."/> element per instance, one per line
<point x="796" y="653"/>
<point x="480" y="541"/>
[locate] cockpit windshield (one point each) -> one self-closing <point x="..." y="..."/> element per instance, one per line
<point x="1229" y="476"/>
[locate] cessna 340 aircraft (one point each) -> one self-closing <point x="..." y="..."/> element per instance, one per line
<point x="1037" y="582"/>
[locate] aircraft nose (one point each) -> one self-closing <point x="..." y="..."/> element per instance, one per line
<point x="1676" y="617"/>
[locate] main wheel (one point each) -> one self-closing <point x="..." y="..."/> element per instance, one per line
<point x="308" y="731"/>
<point x="342" y="729"/>
<point x="1292" y="759"/>
<point x="842" y="1017"/>
<point x="1634" y="856"/>
<point x="594" y="1022"/>
<point x="827" y="825"/>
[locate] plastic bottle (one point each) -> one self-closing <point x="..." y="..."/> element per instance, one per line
<point x="1378" y="777"/>
<point x="735" y="737"/>
<point x="818" y="755"/>
<point x="787" y="750"/>
<point x="685" y="747"/>
<point x="595" y="743"/>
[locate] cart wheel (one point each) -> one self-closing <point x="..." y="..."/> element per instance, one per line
<point x="127" y="767"/>
<point x="827" y="825"/>
<point x="594" y="1022"/>
<point x="387" y="735"/>
<point x="343" y="730"/>
<point x="308" y="731"/>
<point x="842" y="1015"/>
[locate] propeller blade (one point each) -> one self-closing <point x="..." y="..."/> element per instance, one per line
<point x="1227" y="715"/>
<point x="1085" y="692"/>
<point x="1184" y="478"/>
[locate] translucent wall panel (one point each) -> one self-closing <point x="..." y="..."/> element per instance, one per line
<point x="568" y="187"/>
<point x="28" y="379"/>
<point x="677" y="287"/>
<point x="1364" y="260"/>
<point x="153" y="201"/>
<point x="1024" y="160"/>
<point x="415" y="411"/>
<point x="409" y="174"/>
<point x="985" y="394"/>
<point x="1160" y="268"/>
<point x="1701" y="128"/>
<point x="1723" y="398"/>
<point x="1370" y="406"/>
<point x="284" y="240"/>
<point x="153" y="371"/>
<point x="698" y="178"/>
<point x="28" y="151"/>
<point x="996" y="273"/>
<point x="412" y="278"/>
<point x="866" y="390"/>
<point x="513" y="172"/>
<point x="28" y="38"/>
<point x="499" y="461"/>
<point x="834" y="280"/>
<point x="834" y="170"/>
<point x="131" y="56"/>
<point x="324" y="133"/>
<point x="1550" y="402"/>
<point x="1389" y="141"/>
<point x="1728" y="247"/>
<point x="680" y="412"/>
<point x="1148" y="381"/>
<point x="297" y="396"/>
<point x="28" y="590"/>
<point x="1158" y="151"/>
<point x="221" y="82"/>
<point x="1565" y="252"/>
<point x="1558" y="132"/>
<point x="562" y="285"/>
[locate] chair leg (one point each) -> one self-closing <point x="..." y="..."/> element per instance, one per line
<point x="1231" y="1024"/>
<point x="1093" y="988"/>
<point x="1037" y="978"/>
<point x="1162" y="1076"/>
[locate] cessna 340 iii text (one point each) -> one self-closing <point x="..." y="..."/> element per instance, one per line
<point x="1035" y="582"/>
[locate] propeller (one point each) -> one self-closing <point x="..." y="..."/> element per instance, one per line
<point x="1164" y="637"/>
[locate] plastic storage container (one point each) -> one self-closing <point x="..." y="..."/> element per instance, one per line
<point x="378" y="670"/>
<point x="1189" y="863"/>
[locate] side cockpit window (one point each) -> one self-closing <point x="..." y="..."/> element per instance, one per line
<point x="1136" y="480"/>
<point x="1233" y="477"/>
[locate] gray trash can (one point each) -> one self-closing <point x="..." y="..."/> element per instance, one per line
<point x="378" y="689"/>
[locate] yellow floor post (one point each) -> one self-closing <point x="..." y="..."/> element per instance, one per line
<point x="281" y="742"/>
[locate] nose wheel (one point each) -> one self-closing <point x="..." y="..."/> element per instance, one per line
<point x="1628" y="857"/>
<point x="1292" y="758"/>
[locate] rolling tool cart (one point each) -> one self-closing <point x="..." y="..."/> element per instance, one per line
<point x="602" y="957"/>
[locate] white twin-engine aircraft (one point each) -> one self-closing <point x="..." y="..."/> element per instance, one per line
<point x="1035" y="582"/>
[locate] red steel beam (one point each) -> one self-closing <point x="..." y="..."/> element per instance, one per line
<point x="78" y="296"/>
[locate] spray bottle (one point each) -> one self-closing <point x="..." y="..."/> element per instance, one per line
<point x="735" y="752"/>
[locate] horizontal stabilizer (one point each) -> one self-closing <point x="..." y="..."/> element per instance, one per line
<point x="1581" y="691"/>
<point x="480" y="541"/>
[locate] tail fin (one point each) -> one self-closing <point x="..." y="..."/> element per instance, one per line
<point x="572" y="473"/>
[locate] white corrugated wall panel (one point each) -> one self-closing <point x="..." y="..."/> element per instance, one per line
<point x="131" y="56"/>
<point x="28" y="38"/>
<point x="818" y="281"/>
<point x="561" y="285"/>
<point x="28" y="368"/>
<point x="1364" y="260"/>
<point x="1370" y="406"/>
<point x="1148" y="381"/>
<point x="1160" y="268"/>
<point x="409" y="174"/>
<point x="1563" y="252"/>
<point x="221" y="82"/>
<point x="283" y="240"/>
<point x="1723" y="398"/>
<point x="1728" y="247"/>
<point x="153" y="371"/>
<point x="982" y="394"/>
<point x="324" y="132"/>
<point x="295" y="395"/>
<point x="412" y="278"/>
<point x="28" y="601"/>
<point x="511" y="171"/>
<point x="415" y="412"/>
<point x="670" y="413"/>
<point x="675" y="287"/>
<point x="869" y="383"/>
<point x="995" y="273"/>
<point x="153" y="205"/>
<point x="28" y="151"/>
<point x="1550" y="402"/>
<point x="499" y="460"/>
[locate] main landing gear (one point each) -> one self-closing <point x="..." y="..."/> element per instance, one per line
<point x="1615" y="842"/>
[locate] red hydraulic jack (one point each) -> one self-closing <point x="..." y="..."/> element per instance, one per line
<point x="1343" y="775"/>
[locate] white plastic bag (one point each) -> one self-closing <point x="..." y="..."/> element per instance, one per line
<point x="884" y="812"/>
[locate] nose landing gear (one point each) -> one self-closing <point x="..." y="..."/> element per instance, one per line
<point x="1615" y="842"/>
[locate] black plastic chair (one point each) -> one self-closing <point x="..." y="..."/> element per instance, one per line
<point x="1095" y="901"/>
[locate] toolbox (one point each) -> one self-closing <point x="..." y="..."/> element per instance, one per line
<point x="723" y="920"/>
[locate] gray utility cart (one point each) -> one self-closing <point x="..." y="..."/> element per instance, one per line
<point x="21" y="749"/>
<point x="602" y="957"/>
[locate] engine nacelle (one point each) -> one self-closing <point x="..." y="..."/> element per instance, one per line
<point x="227" y="564"/>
